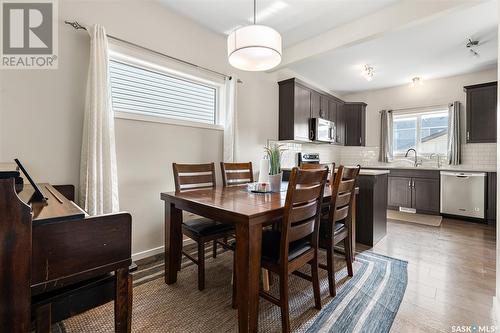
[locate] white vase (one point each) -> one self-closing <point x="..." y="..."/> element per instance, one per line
<point x="275" y="182"/>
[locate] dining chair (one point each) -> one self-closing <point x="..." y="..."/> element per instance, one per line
<point x="296" y="244"/>
<point x="236" y="173"/>
<point x="337" y="225"/>
<point x="190" y="177"/>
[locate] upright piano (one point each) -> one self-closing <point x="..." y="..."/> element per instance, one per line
<point x="51" y="252"/>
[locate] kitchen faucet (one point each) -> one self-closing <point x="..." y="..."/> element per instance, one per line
<point x="416" y="163"/>
<point x="438" y="159"/>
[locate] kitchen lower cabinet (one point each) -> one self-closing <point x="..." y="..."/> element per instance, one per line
<point x="491" y="194"/>
<point x="399" y="194"/>
<point x="425" y="195"/>
<point x="371" y="209"/>
<point x="414" y="189"/>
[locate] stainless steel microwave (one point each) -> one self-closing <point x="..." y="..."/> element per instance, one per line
<point x="322" y="130"/>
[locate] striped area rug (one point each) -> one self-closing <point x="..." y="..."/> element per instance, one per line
<point x="367" y="302"/>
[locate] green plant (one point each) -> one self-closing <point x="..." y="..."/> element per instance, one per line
<point x="274" y="154"/>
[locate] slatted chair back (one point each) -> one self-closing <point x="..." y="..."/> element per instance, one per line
<point x="193" y="176"/>
<point x="315" y="166"/>
<point x="302" y="208"/>
<point x="236" y="173"/>
<point x="343" y="189"/>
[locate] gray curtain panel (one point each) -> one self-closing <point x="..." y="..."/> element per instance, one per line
<point x="385" y="136"/>
<point x="454" y="139"/>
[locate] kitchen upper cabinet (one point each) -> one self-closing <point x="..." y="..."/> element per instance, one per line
<point x="302" y="113"/>
<point x="319" y="105"/>
<point x="294" y="111"/>
<point x="298" y="102"/>
<point x="332" y="110"/>
<point x="355" y="124"/>
<point x="340" y="125"/>
<point x="481" y="112"/>
<point x="315" y="105"/>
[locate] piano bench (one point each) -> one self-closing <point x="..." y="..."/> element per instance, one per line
<point x="75" y="299"/>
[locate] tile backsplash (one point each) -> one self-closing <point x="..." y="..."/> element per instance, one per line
<point x="478" y="156"/>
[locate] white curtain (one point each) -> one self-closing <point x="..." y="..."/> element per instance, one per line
<point x="454" y="144"/>
<point x="386" y="123"/>
<point x="98" y="174"/>
<point x="230" y="119"/>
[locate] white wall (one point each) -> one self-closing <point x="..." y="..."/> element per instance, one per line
<point x="41" y="111"/>
<point x="432" y="92"/>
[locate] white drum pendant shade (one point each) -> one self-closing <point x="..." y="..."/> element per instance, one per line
<point x="254" y="48"/>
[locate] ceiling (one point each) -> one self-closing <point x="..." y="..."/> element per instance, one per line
<point x="429" y="50"/>
<point x="296" y="20"/>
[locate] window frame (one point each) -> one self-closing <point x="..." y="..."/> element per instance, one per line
<point x="163" y="68"/>
<point x="417" y="113"/>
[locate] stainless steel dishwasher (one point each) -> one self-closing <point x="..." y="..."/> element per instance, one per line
<point x="462" y="193"/>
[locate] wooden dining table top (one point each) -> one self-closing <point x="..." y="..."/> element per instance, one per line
<point x="235" y="200"/>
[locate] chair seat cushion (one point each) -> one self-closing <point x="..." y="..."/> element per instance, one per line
<point x="271" y="242"/>
<point x="206" y="227"/>
<point x="323" y="227"/>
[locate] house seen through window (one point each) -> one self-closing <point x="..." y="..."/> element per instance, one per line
<point x="427" y="132"/>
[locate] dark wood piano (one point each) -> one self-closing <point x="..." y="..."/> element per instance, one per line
<point x="56" y="261"/>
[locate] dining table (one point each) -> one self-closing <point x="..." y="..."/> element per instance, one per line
<point x="249" y="212"/>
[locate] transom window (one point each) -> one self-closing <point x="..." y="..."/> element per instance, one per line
<point x="427" y="132"/>
<point x="150" y="92"/>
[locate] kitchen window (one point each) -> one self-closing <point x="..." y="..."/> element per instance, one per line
<point x="426" y="132"/>
<point x="143" y="92"/>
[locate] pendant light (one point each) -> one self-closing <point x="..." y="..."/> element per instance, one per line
<point x="254" y="47"/>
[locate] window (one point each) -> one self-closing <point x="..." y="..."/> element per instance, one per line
<point x="427" y="132"/>
<point x="141" y="90"/>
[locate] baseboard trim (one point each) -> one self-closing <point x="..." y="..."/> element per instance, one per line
<point x="156" y="250"/>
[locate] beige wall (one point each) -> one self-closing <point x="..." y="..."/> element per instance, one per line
<point x="432" y="92"/>
<point x="41" y="111"/>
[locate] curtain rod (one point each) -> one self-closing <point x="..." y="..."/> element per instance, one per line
<point x="78" y="26"/>
<point x="417" y="108"/>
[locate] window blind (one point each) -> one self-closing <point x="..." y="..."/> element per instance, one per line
<point x="141" y="90"/>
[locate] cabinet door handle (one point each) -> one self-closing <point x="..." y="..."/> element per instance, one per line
<point x="468" y="135"/>
<point x="311" y="135"/>
<point x="409" y="183"/>
<point x="413" y="184"/>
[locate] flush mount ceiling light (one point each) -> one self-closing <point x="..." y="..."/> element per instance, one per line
<point x="254" y="47"/>
<point x="368" y="72"/>
<point x="416" y="81"/>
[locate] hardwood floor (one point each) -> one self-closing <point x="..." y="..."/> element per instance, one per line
<point x="451" y="274"/>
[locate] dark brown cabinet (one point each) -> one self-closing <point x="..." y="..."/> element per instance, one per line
<point x="425" y="195"/>
<point x="481" y="112"/>
<point x="399" y="193"/>
<point x="294" y="111"/>
<point x="355" y="124"/>
<point x="319" y="105"/>
<point x="491" y="208"/>
<point x="298" y="102"/>
<point x="417" y="189"/>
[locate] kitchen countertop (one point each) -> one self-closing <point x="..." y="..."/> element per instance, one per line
<point x="373" y="172"/>
<point x="362" y="172"/>
<point x="427" y="168"/>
